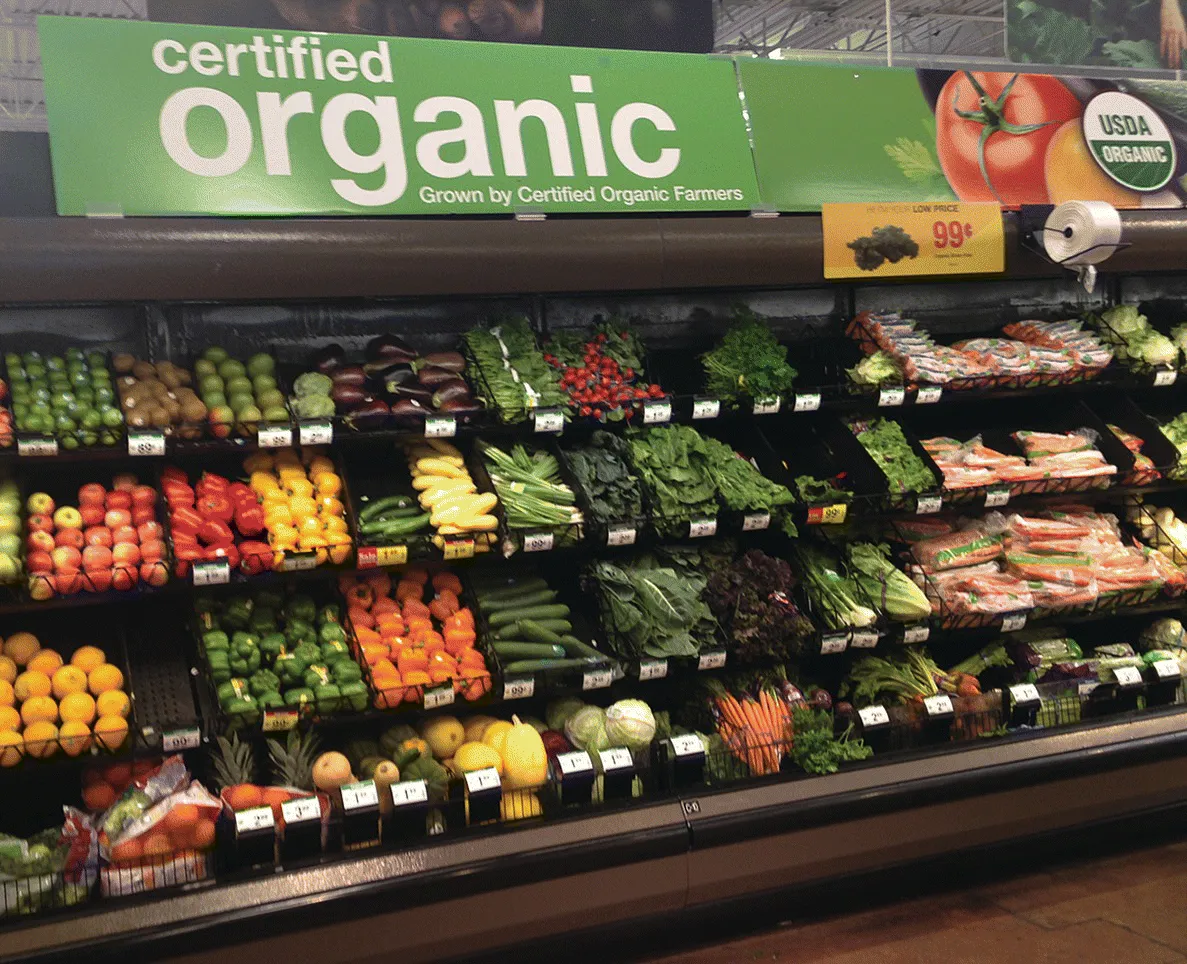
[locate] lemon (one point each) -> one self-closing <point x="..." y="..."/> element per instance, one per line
<point x="67" y="680"/>
<point x="113" y="703"/>
<point x="45" y="661"/>
<point x="7" y="696"/>
<point x="20" y="647"/>
<point x="8" y="669"/>
<point x="12" y="745"/>
<point x="75" y="738"/>
<point x="31" y="683"/>
<point x="111" y="731"/>
<point x="88" y="658"/>
<point x="104" y="678"/>
<point x="39" y="709"/>
<point x="77" y="708"/>
<point x="41" y="740"/>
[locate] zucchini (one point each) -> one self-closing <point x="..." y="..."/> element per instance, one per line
<point x="535" y="584"/>
<point x="575" y="647"/>
<point x="538" y="634"/>
<point x="506" y="616"/>
<point x="390" y="502"/>
<point x="516" y="650"/>
<point x="396" y="527"/>
<point x="511" y="631"/>
<point x="534" y="597"/>
<point x="536" y="665"/>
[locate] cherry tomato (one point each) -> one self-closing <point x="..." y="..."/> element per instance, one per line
<point x="1021" y="112"/>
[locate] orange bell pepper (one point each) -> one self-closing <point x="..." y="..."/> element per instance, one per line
<point x="385" y="604"/>
<point x="447" y="580"/>
<point x="411" y="659"/>
<point x="367" y="636"/>
<point x="419" y="624"/>
<point x="360" y="596"/>
<point x="389" y="698"/>
<point x="444" y="605"/>
<point x="414" y="608"/>
<point x="409" y="590"/>
<point x="379" y="581"/>
<point x="474" y="683"/>
<point x="472" y="659"/>
<point x="463" y="619"/>
<point x="432" y="642"/>
<point x="415" y="683"/>
<point x="360" y="617"/>
<point x="458" y="639"/>
<point x="390" y="624"/>
<point x="373" y="652"/>
<point x="417" y="575"/>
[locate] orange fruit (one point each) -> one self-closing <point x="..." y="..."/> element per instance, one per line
<point x="113" y="703"/>
<point x="203" y="834"/>
<point x="77" y="708"/>
<point x="180" y="820"/>
<point x="10" y="719"/>
<point x="104" y="678"/>
<point x="68" y="680"/>
<point x="39" y="709"/>
<point x="88" y="658"/>
<point x="99" y="796"/>
<point x="45" y="661"/>
<point x="1072" y="173"/>
<point x="31" y="683"/>
<point x="157" y="844"/>
<point x="8" y="669"/>
<point x="75" y="737"/>
<point x="20" y="647"/>
<point x="7" y="695"/>
<point x="111" y="731"/>
<point x="12" y="745"/>
<point x="41" y="740"/>
<point x="128" y="851"/>
<point x="244" y="796"/>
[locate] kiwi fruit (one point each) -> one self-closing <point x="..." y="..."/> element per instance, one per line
<point x="122" y="363"/>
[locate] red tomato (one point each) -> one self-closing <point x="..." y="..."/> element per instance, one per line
<point x="1022" y="122"/>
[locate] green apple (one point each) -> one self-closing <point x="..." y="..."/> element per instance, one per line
<point x="10" y="569"/>
<point x="10" y="525"/>
<point x="10" y="544"/>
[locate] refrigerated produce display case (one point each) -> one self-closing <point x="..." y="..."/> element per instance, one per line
<point x="470" y="582"/>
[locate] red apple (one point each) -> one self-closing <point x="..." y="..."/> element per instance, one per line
<point x="124" y="578"/>
<point x="125" y="483"/>
<point x="70" y="582"/>
<point x="98" y="580"/>
<point x="152" y="550"/>
<point x="154" y="573"/>
<point x="98" y="536"/>
<point x="39" y="562"/>
<point x="40" y="523"/>
<point x="119" y="500"/>
<point x="144" y="495"/>
<point x="92" y="515"/>
<point x="68" y="517"/>
<point x="97" y="557"/>
<point x="126" y="554"/>
<point x="125" y="534"/>
<point x="70" y="537"/>
<point x="42" y="586"/>
<point x="116" y="518"/>
<point x="91" y="494"/>
<point x="148" y="531"/>
<point x="66" y="559"/>
<point x="40" y="541"/>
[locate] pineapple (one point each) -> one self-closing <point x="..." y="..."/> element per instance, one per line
<point x="234" y="762"/>
<point x="292" y="761"/>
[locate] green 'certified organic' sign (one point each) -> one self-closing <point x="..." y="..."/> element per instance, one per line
<point x="157" y="119"/>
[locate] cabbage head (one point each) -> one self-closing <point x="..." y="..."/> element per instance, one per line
<point x="312" y="383"/>
<point x="557" y="713"/>
<point x="1157" y="349"/>
<point x="630" y="723"/>
<point x="1125" y="319"/>
<point x="1163" y="634"/>
<point x="586" y="729"/>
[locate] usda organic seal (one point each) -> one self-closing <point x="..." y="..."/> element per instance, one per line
<point x="1129" y="141"/>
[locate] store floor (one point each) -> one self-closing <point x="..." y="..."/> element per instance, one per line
<point x="1129" y="908"/>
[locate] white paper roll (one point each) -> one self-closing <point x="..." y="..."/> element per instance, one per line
<point x="1082" y="232"/>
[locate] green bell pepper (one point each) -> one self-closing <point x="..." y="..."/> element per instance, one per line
<point x="331" y="633"/>
<point x="301" y="608"/>
<point x="264" y="681"/>
<point x="272" y="645"/>
<point x="215" y="640"/>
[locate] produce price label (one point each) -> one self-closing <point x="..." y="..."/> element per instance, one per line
<point x="277" y="721"/>
<point x="316" y="433"/>
<point x="929" y="395"/>
<point x="834" y="643"/>
<point x="892" y="397"/>
<point x="997" y="497"/>
<point x="409" y="793"/>
<point x="174" y="741"/>
<point x="652" y="669"/>
<point x="519" y="688"/>
<point x="257" y="818"/>
<point x="211" y="573"/>
<point x="572" y="763"/>
<point x="441" y="696"/>
<point x="711" y="661"/>
<point x="706" y="408"/>
<point x="864" y="640"/>
<point x="927" y="504"/>
<point x="768" y="406"/>
<point x="1024" y="693"/>
<point x="480" y="781"/>
<point x="372" y="557"/>
<point x="597" y="679"/>
<point x="1013" y="623"/>
<point x="873" y="716"/>
<point x="360" y="796"/>
<point x="32" y="447"/>
<point x="702" y="528"/>
<point x="298" y="562"/>
<point x="1167" y="669"/>
<point x="917" y="634"/>
<point x="275" y="436"/>
<point x="538" y="542"/>
<point x="621" y="536"/>
<point x="1128" y="676"/>
<point x="1087" y="689"/>
<point x="305" y="810"/>
<point x="903" y="239"/>
<point x="459" y="549"/>
<point x="687" y="745"/>
<point x="440" y="426"/>
<point x="657" y="413"/>
<point x="756" y="521"/>
<point x="617" y="758"/>
<point x="939" y="705"/>
<point x="549" y="421"/>
<point x="828" y="515"/>
<point x="1165" y="377"/>
<point x="809" y="402"/>
<point x="146" y="443"/>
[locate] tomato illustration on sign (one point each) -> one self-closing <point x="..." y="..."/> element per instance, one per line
<point x="992" y="133"/>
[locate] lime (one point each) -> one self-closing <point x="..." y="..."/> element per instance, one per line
<point x="231" y="369"/>
<point x="204" y="367"/>
<point x="69" y="442"/>
<point x="112" y="418"/>
<point x="65" y="424"/>
<point x="31" y="356"/>
<point x="75" y="355"/>
<point x="55" y="364"/>
<point x="261" y="364"/>
<point x="91" y="420"/>
<point x="102" y="396"/>
<point x="88" y="438"/>
<point x="96" y="359"/>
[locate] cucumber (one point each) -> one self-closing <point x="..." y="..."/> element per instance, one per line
<point x="511" y="631"/>
<point x="390" y="502"/>
<point x="540" y="597"/>
<point x="538" y="634"/>
<point x="510" y="592"/>
<point x="575" y="647"/>
<point x="517" y="650"/>
<point x="535" y="665"/>
<point x="528" y="612"/>
<point x="396" y="527"/>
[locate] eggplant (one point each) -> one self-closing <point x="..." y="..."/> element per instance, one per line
<point x="390" y="347"/>
<point x="454" y="388"/>
<point x="414" y="391"/>
<point x="385" y="371"/>
<point x="351" y="375"/>
<point x="451" y="361"/>
<point x="432" y="376"/>
<point x="461" y="406"/>
<point x="409" y="409"/>
<point x="328" y="359"/>
<point x="369" y="416"/>
<point x="348" y="397"/>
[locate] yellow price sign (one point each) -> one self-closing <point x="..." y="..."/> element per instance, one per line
<point x="829" y="515"/>
<point x="391" y="555"/>
<point x="904" y="239"/>
<point x="459" y="549"/>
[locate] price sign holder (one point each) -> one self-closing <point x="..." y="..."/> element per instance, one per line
<point x="575" y="775"/>
<point x="1023" y="703"/>
<point x="406" y="819"/>
<point x="875" y="727"/>
<point x="618" y="773"/>
<point x="657" y="412"/>
<point x="809" y="402"/>
<point x="146" y="442"/>
<point x="687" y="757"/>
<point x="255" y="837"/>
<point x="548" y="421"/>
<point x="704" y="406"/>
<point x="939" y="715"/>
<point x="1165" y="677"/>
<point x="360" y="815"/>
<point x="484" y="791"/>
<point x="301" y="838"/>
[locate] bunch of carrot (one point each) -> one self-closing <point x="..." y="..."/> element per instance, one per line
<point x="756" y="728"/>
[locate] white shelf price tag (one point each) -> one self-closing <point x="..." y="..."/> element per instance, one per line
<point x="146" y="443"/>
<point x="809" y="402"/>
<point x="408" y="793"/>
<point x="538" y="542"/>
<point x="892" y="397"/>
<point x="687" y="745"/>
<point x="440" y="426"/>
<point x="867" y="640"/>
<point x="703" y="408"/>
<point x="872" y="716"/>
<point x="1013" y="622"/>
<point x="298" y="562"/>
<point x="301" y="811"/>
<point x="702" y="528"/>
<point x="652" y="669"/>
<point x="711" y="660"/>
<point x="174" y="741"/>
<point x="657" y="413"/>
<point x="549" y="421"/>
<point x="996" y="497"/>
<point x="211" y="573"/>
<point x="519" y="688"/>
<point x="1165" y="377"/>
<point x="833" y="643"/>
<point x="616" y="758"/>
<point x="257" y="818"/>
<point x="768" y="406"/>
<point x="572" y="763"/>
<point x="33" y="447"/>
<point x="1024" y="694"/>
<point x="478" y="781"/>
<point x="360" y="796"/>
<point x="756" y="521"/>
<point x="917" y="634"/>
<point x="1167" y="669"/>
<point x="1128" y="676"/>
<point x="441" y="696"/>
<point x="939" y="705"/>
<point x="597" y="679"/>
<point x="275" y="436"/>
<point x="621" y="536"/>
<point x="316" y="433"/>
<point x="928" y="504"/>
<point x="929" y="395"/>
